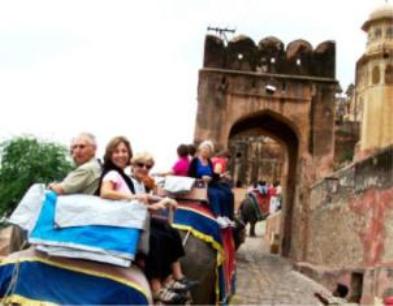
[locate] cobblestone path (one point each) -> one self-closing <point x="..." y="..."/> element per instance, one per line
<point x="266" y="279"/>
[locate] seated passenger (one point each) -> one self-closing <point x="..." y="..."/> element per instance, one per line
<point x="180" y="167"/>
<point x="85" y="178"/>
<point x="165" y="244"/>
<point x="191" y="150"/>
<point x="220" y="196"/>
<point x="163" y="238"/>
<point x="263" y="188"/>
<point x="220" y="162"/>
<point x="220" y="165"/>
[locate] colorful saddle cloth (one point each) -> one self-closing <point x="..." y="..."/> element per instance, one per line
<point x="201" y="223"/>
<point x="31" y="278"/>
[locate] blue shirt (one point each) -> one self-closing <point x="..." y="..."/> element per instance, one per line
<point x="202" y="170"/>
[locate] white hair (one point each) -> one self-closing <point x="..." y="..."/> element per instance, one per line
<point x="88" y="136"/>
<point x="207" y="144"/>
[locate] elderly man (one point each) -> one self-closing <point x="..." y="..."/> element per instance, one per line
<point x="85" y="178"/>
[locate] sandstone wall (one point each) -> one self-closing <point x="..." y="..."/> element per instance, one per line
<point x="351" y="215"/>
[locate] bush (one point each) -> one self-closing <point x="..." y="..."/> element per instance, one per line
<point x="25" y="161"/>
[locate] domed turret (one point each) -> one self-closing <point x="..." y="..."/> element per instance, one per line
<point x="379" y="27"/>
<point x="374" y="81"/>
<point x="384" y="12"/>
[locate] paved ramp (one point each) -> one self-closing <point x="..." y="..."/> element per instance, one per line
<point x="266" y="279"/>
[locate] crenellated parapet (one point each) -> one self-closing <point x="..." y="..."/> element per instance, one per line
<point x="271" y="56"/>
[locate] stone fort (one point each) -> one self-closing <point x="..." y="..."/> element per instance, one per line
<point x="335" y="224"/>
<point x="284" y="92"/>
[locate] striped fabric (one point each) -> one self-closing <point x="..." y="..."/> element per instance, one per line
<point x="33" y="279"/>
<point x="201" y="223"/>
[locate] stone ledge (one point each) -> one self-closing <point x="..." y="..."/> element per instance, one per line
<point x="318" y="272"/>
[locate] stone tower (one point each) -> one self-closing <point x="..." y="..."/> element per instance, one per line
<point x="285" y="92"/>
<point x="374" y="82"/>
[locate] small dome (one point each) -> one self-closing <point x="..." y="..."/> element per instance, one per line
<point x="382" y="12"/>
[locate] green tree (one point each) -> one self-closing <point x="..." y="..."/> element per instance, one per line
<point x="25" y="161"/>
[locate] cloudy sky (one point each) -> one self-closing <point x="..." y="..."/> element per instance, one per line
<point x="130" y="67"/>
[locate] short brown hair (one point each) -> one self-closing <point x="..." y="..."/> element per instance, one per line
<point x="112" y="145"/>
<point x="182" y="150"/>
<point x="191" y="149"/>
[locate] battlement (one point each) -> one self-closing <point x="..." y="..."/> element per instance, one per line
<point x="271" y="56"/>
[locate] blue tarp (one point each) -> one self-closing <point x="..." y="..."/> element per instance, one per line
<point x="103" y="239"/>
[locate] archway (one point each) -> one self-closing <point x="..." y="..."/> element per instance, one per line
<point x="283" y="131"/>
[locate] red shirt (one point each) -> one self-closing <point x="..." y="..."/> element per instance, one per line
<point x="220" y="164"/>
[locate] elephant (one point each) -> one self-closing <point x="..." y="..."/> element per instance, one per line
<point x="200" y="262"/>
<point x="253" y="208"/>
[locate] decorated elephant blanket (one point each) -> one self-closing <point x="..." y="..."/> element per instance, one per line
<point x="32" y="278"/>
<point x="199" y="221"/>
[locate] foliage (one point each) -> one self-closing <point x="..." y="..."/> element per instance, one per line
<point x="25" y="161"/>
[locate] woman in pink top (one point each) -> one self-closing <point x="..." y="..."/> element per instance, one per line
<point x="116" y="185"/>
<point x="180" y="168"/>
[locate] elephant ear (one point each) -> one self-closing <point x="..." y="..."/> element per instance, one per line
<point x="239" y="233"/>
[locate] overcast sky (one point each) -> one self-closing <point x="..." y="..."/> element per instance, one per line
<point x="130" y="67"/>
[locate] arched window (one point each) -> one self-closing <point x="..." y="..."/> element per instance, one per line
<point x="376" y="75"/>
<point x="378" y="33"/>
<point x="389" y="32"/>
<point x="389" y="75"/>
<point x="359" y="109"/>
<point x="369" y="36"/>
<point x="360" y="78"/>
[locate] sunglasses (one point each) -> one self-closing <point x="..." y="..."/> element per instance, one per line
<point x="142" y="165"/>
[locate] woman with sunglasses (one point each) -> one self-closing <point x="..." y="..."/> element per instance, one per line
<point x="166" y="240"/>
<point x="116" y="185"/>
